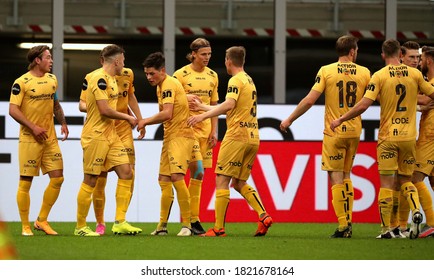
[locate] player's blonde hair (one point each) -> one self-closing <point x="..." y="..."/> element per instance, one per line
<point x="237" y="55"/>
<point x="196" y="45"/>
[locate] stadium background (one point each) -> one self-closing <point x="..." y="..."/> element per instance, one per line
<point x="287" y="173"/>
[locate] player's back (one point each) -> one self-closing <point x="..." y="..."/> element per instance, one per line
<point x="397" y="87"/>
<point x="343" y="84"/>
<point x="242" y="123"/>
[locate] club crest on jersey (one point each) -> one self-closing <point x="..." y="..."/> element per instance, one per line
<point x="102" y="84"/>
<point x="16" y="89"/>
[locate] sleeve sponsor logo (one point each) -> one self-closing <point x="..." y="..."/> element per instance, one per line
<point x="166" y="93"/>
<point x="102" y="84"/>
<point x="84" y="86"/>
<point x="16" y="89"/>
<point x="233" y="89"/>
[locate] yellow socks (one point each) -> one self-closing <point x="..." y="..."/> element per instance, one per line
<point x="403" y="211"/>
<point x="194" y="188"/>
<point x="123" y="194"/>
<point x="50" y="196"/>
<point x="339" y="201"/>
<point x="132" y="185"/>
<point x="184" y="202"/>
<point x="221" y="206"/>
<point x="23" y="201"/>
<point x="410" y="193"/>
<point x="385" y="204"/>
<point x="84" y="199"/>
<point x="349" y="193"/>
<point x="252" y="198"/>
<point x="426" y="202"/>
<point x="98" y="198"/>
<point x="394" y="216"/>
<point x="166" y="201"/>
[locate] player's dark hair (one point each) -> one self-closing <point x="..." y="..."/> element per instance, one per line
<point x="155" y="60"/>
<point x="35" y="52"/>
<point x="428" y="51"/>
<point x="409" y="45"/>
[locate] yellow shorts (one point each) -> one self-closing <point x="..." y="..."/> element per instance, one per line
<point x="235" y="159"/>
<point x="196" y="155"/>
<point x="34" y="156"/>
<point x="175" y="155"/>
<point x="202" y="151"/>
<point x="102" y="154"/>
<point x="128" y="142"/>
<point x="206" y="152"/>
<point x="338" y="153"/>
<point x="425" y="157"/>
<point x="396" y="156"/>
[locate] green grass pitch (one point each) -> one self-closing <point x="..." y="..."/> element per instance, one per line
<point x="284" y="241"/>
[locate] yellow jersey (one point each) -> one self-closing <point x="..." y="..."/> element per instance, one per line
<point x="125" y="83"/>
<point x="204" y="85"/>
<point x="343" y="84"/>
<point x="101" y="86"/>
<point x="241" y="121"/>
<point x="398" y="87"/>
<point x="426" y="125"/>
<point x="35" y="97"/>
<point x="170" y="91"/>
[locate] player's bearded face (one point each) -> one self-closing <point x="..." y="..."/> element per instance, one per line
<point x="424" y="67"/>
<point x="355" y="55"/>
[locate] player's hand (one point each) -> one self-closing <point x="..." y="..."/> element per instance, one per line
<point x="284" y="125"/>
<point x="141" y="124"/>
<point x="193" y="120"/>
<point x="132" y="121"/>
<point x="427" y="107"/>
<point x="64" y="131"/>
<point x="142" y="133"/>
<point x="195" y="105"/>
<point x="212" y="140"/>
<point x="39" y="133"/>
<point x="334" y="124"/>
<point x="193" y="98"/>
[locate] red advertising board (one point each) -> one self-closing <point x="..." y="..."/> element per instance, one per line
<point x="293" y="187"/>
